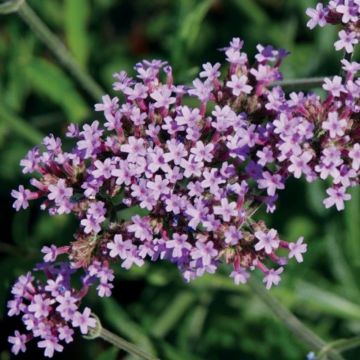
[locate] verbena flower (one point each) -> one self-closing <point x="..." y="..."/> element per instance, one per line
<point x="198" y="174"/>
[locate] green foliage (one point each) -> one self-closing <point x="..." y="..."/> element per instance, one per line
<point x="210" y="318"/>
<point x="76" y="21"/>
<point x="51" y="82"/>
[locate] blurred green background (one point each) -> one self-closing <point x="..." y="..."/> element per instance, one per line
<point x="152" y="306"/>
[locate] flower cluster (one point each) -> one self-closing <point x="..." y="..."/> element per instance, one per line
<point x="343" y="12"/>
<point x="194" y="176"/>
<point x="50" y="311"/>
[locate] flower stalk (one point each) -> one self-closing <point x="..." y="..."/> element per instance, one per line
<point x="339" y="345"/>
<point x="54" y="44"/>
<point x="117" y="341"/>
<point x="302" y="332"/>
<point x="301" y="83"/>
<point x="10" y="6"/>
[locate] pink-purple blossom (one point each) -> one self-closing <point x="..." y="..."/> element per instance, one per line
<point x="194" y="175"/>
<point x="83" y="320"/>
<point x="297" y="249"/>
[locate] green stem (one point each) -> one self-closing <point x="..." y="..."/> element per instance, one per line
<point x="99" y="332"/>
<point x="10" y="6"/>
<point x="124" y="345"/>
<point x="20" y="126"/>
<point x="308" y="83"/>
<point x="59" y="50"/>
<point x="340" y="345"/>
<point x="291" y="321"/>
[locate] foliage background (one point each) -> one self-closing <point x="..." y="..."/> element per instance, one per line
<point x="152" y="306"/>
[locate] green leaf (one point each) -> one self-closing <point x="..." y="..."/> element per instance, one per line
<point x="190" y="27"/>
<point x="127" y="214"/>
<point x="299" y="225"/>
<point x="252" y="10"/>
<point x="10" y="6"/>
<point x="110" y="354"/>
<point x="117" y="317"/>
<point x="315" y="194"/>
<point x="173" y="353"/>
<point x="198" y="317"/>
<point x="327" y="302"/>
<point x="340" y="265"/>
<point x="352" y="219"/>
<point x="50" y="81"/>
<point x="76" y="20"/>
<point x="20" y="232"/>
<point x="19" y="126"/>
<point x="172" y="314"/>
<point x="339" y="345"/>
<point x="20" y="52"/>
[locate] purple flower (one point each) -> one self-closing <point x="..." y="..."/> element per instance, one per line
<point x="317" y="16"/>
<point x="123" y="172"/>
<point x="94" y="217"/>
<point x="158" y="187"/>
<point x="91" y="225"/>
<point x="39" y="306"/>
<point x="272" y="277"/>
<point x="119" y="247"/>
<point x="103" y="169"/>
<point x="212" y="180"/>
<point x="139" y="91"/>
<point x="265" y="156"/>
<point x="135" y="148"/>
<point x="334" y="125"/>
<point x="108" y="104"/>
<point x="334" y="86"/>
<point x="157" y="160"/>
<point x="202" y="152"/>
<point x="18" y="342"/>
<point x="205" y="252"/>
<point x="50" y="253"/>
<point x="50" y="344"/>
<point x="210" y="71"/>
<point x="90" y="142"/>
<point x="59" y="192"/>
<point x="132" y="257"/>
<point x="354" y="154"/>
<point x="83" y="320"/>
<point x="346" y="41"/>
<point x="162" y="97"/>
<point x="268" y="241"/>
<point x="72" y="131"/>
<point x="224" y="118"/>
<point x="67" y="305"/>
<point x="232" y="235"/>
<point x="270" y="183"/>
<point x="202" y="90"/>
<point x="31" y="160"/>
<point x="226" y="210"/>
<point x="348" y="11"/>
<point x="176" y="153"/>
<point x="22" y="197"/>
<point x="192" y="167"/>
<point x="297" y="249"/>
<point x="238" y="84"/>
<point x="178" y="245"/>
<point x="337" y="196"/>
<point x="240" y="276"/>
<point x="140" y="227"/>
<point x="299" y="164"/>
<point x="66" y="333"/>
